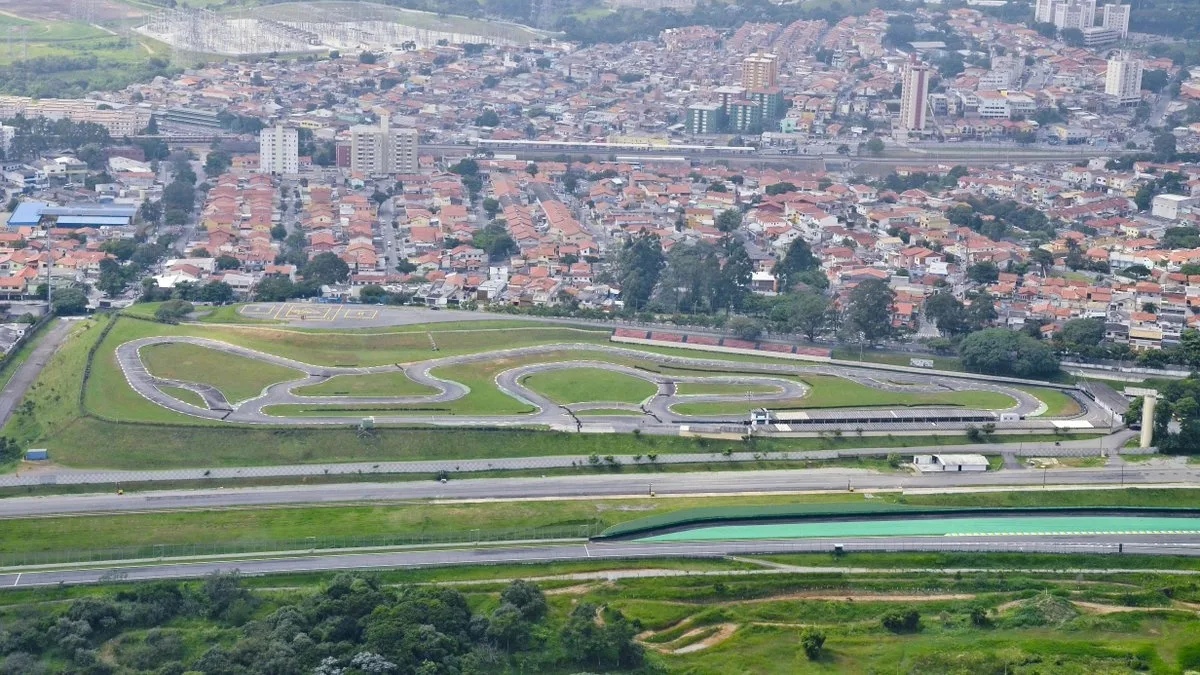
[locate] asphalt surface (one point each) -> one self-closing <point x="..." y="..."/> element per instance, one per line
<point x="27" y="372"/>
<point x="1132" y="544"/>
<point x="658" y="413"/>
<point x="597" y="486"/>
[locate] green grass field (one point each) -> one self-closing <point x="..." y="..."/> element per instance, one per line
<point x="834" y="392"/>
<point x="588" y="385"/>
<point x="10" y="363"/>
<point x="185" y="395"/>
<point x="237" y="377"/>
<point x="722" y="389"/>
<point x="1058" y="403"/>
<point x="601" y="412"/>
<point x="372" y="384"/>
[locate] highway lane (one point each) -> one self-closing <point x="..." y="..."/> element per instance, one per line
<point x="593" y="486"/>
<point x="27" y="372"/>
<point x="618" y="550"/>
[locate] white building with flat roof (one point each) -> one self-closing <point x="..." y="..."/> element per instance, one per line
<point x="279" y="150"/>
<point x="1123" y="79"/>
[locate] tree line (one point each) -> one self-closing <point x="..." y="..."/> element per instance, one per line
<point x="351" y="625"/>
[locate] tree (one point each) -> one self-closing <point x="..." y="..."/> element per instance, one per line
<point x="372" y="293"/>
<point x="175" y="217"/>
<point x="367" y="57"/>
<point x="495" y="240"/>
<point x="217" y="163"/>
<point x="812" y="640"/>
<point x="606" y="646"/>
<point x="274" y="289"/>
<point x="981" y="312"/>
<point x="1164" y="147"/>
<point x="1135" y="272"/>
<point x="216" y="292"/>
<point x="527" y="598"/>
<point x="279" y="233"/>
<point x="744" y="327"/>
<point x="809" y="314"/>
<point x="729" y="220"/>
<point x="173" y="311"/>
<point x="112" y="281"/>
<point x="947" y="313"/>
<point x="868" y="315"/>
<point x="779" y="189"/>
<point x="488" y="118"/>
<point x="227" y="262"/>
<point x="326" y="269"/>
<point x="69" y="301"/>
<point x="491" y="207"/>
<point x="1080" y="334"/>
<point x="798" y="260"/>
<point x="875" y="146"/>
<point x="999" y="351"/>
<point x="639" y="265"/>
<point x="985" y="272"/>
<point x="902" y="621"/>
<point x="179" y="195"/>
<point x="531" y="169"/>
<point x="734" y="280"/>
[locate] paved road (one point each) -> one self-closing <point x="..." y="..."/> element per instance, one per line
<point x="27" y="372"/>
<point x="1133" y="544"/>
<point x="597" y="486"/>
<point x="1107" y="445"/>
<point x="659" y="416"/>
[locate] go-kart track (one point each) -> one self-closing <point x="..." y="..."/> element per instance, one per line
<point x="653" y="415"/>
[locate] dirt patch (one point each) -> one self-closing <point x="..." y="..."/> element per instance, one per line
<point x="856" y="597"/>
<point x="724" y="632"/>
<point x="578" y="589"/>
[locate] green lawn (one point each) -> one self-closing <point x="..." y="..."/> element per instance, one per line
<point x="185" y="395"/>
<point x="600" y="412"/>
<point x="1058" y="403"/>
<point x="834" y="392"/>
<point x="588" y="385"/>
<point x="372" y="384"/>
<point x="238" y="377"/>
<point x="722" y="389"/>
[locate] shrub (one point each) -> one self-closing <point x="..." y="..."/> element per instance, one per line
<point x="812" y="641"/>
<point x="902" y="621"/>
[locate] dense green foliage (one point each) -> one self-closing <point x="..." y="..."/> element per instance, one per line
<point x="352" y="625"/>
<point x="999" y="351"/>
<point x="75" y="76"/>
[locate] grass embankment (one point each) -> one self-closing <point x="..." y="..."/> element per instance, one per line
<point x="185" y="395"/>
<point x="372" y="384"/>
<point x="1058" y="403"/>
<point x="722" y="389"/>
<point x="450" y="521"/>
<point x="590" y="385"/>
<point x="237" y="377"/>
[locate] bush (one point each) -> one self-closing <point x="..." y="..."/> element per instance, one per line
<point x="902" y="621"/>
<point x="812" y="641"/>
<point x="173" y="311"/>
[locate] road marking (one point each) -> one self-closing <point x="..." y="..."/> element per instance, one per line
<point x="585" y="550"/>
<point x="279" y="309"/>
<point x="17" y="580"/>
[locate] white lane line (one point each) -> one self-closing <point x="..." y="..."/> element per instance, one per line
<point x="17" y="580"/>
<point x="585" y="550"/>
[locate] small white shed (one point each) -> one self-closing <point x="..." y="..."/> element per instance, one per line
<point x="950" y="463"/>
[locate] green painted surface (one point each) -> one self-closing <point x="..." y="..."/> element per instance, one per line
<point x="939" y="527"/>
